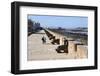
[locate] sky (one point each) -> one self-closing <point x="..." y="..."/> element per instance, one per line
<point x="60" y="21"/>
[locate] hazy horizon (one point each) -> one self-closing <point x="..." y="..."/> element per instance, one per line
<point x="48" y="21"/>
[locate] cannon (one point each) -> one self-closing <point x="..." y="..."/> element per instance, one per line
<point x="52" y="37"/>
<point x="48" y="34"/>
<point x="56" y="41"/>
<point x="63" y="48"/>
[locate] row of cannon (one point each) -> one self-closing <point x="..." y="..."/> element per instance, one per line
<point x="57" y="41"/>
<point x="53" y="38"/>
<point x="68" y="43"/>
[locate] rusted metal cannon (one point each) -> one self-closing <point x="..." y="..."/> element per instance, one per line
<point x="52" y="37"/>
<point x="56" y="41"/>
<point x="63" y="48"/>
<point x="48" y="34"/>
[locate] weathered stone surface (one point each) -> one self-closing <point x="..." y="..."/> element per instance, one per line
<point x="39" y="51"/>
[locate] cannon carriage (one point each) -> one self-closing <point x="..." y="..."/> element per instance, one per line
<point x="63" y="48"/>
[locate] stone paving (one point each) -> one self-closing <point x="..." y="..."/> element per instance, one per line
<point x="39" y="51"/>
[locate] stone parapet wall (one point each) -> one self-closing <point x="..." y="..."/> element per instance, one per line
<point x="74" y="47"/>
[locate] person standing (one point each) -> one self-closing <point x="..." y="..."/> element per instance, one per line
<point x="44" y="39"/>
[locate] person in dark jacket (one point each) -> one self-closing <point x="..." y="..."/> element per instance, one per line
<point x="43" y="39"/>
